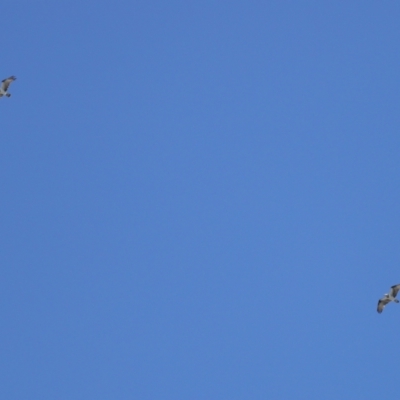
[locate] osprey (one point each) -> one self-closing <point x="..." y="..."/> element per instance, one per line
<point x="388" y="297"/>
<point x="5" y="83"/>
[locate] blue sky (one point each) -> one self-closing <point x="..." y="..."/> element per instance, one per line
<point x="199" y="200"/>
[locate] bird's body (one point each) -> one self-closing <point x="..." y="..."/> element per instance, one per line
<point x="388" y="297"/>
<point x="5" y="83"/>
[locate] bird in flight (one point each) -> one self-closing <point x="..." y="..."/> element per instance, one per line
<point x="388" y="297"/>
<point x="5" y="83"/>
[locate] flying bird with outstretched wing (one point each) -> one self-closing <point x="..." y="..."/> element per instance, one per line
<point x="388" y="297"/>
<point x="5" y="83"/>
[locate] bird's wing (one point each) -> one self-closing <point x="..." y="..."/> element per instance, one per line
<point x="6" y="82"/>
<point x="382" y="303"/>
<point x="394" y="290"/>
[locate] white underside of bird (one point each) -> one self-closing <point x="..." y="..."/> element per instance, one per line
<point x="4" y="93"/>
<point x="5" y="83"/>
<point x="388" y="298"/>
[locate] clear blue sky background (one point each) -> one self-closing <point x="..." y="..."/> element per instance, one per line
<point x="199" y="200"/>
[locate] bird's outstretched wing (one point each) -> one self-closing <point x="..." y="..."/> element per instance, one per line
<point x="382" y="303"/>
<point x="6" y="82"/>
<point x="394" y="290"/>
